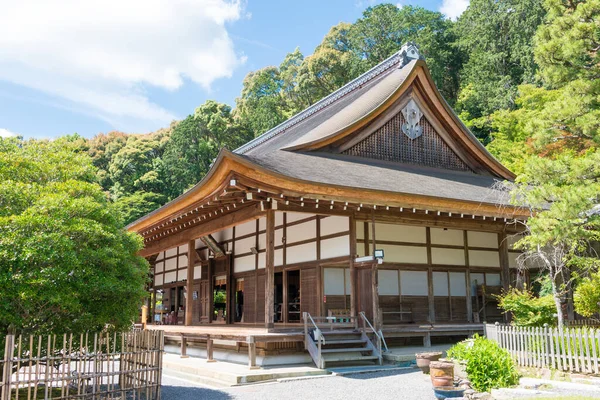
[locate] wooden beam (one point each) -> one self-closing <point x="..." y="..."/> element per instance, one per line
<point x="504" y="266"/>
<point x="222" y="222"/>
<point x="270" y="271"/>
<point x="189" y="285"/>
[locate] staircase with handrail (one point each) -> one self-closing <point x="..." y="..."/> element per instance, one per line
<point x="336" y="340"/>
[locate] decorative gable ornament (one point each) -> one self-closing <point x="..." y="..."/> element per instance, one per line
<point x="412" y="115"/>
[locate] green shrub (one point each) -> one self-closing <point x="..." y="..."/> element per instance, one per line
<point x="527" y="309"/>
<point x="488" y="366"/>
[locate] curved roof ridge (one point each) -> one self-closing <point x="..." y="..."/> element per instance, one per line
<point x="407" y="53"/>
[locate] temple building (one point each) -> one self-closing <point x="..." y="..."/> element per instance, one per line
<point x="376" y="200"/>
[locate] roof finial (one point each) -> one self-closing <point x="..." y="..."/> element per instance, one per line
<point x="410" y="51"/>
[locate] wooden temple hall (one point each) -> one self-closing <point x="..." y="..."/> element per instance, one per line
<point x="375" y="201"/>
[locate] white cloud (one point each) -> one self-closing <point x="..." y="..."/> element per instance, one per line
<point x="100" y="54"/>
<point x="453" y="8"/>
<point x="6" y="133"/>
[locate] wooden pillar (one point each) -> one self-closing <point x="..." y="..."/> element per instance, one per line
<point x="285" y="300"/>
<point x="374" y="278"/>
<point x="504" y="267"/>
<point x="468" y="278"/>
<point x="211" y="288"/>
<point x="183" y="347"/>
<point x="270" y="271"/>
<point x="352" y="268"/>
<point x="230" y="305"/>
<point x="189" y="302"/>
<point x="430" y="292"/>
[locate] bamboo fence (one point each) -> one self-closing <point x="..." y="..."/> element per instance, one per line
<point x="125" y="365"/>
<point x="572" y="349"/>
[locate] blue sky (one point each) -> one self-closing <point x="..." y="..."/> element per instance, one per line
<point x="135" y="65"/>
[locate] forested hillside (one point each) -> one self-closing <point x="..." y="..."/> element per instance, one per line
<point x="524" y="75"/>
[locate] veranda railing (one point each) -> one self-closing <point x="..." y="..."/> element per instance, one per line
<point x="90" y="366"/>
<point x="572" y="349"/>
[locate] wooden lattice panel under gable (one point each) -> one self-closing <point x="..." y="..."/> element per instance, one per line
<point x="389" y="143"/>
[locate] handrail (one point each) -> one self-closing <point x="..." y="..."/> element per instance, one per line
<point x="378" y="334"/>
<point x="319" y="336"/>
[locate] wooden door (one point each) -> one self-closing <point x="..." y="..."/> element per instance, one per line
<point x="364" y="289"/>
<point x="205" y="301"/>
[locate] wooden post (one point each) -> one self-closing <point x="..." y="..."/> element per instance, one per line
<point x="183" y="346"/>
<point x="430" y="292"/>
<point x="375" y="279"/>
<point x="211" y="286"/>
<point x="190" y="282"/>
<point x="270" y="271"/>
<point x="209" y="350"/>
<point x="7" y="371"/>
<point x="230" y="301"/>
<point x="144" y="316"/>
<point x="251" y="352"/>
<point x="352" y="268"/>
<point x="504" y="267"/>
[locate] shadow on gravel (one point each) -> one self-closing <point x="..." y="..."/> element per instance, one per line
<point x="192" y="393"/>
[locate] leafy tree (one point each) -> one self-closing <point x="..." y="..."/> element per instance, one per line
<point x="66" y="265"/>
<point x="528" y="309"/>
<point x="384" y="28"/>
<point x="587" y="296"/>
<point x="260" y="104"/>
<point x="561" y="194"/>
<point x="196" y="141"/>
<point x="496" y="37"/>
<point x="139" y="203"/>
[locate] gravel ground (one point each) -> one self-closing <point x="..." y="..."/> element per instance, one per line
<point x="396" y="385"/>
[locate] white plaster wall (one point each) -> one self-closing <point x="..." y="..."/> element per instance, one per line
<point x="334" y="224"/>
<point x="170" y="277"/>
<point x="303" y="231"/>
<point x="512" y="239"/>
<point x="452" y="237"/>
<point x="262" y="260"/>
<point x="404" y="254"/>
<point x="246" y="228"/>
<point x="301" y="253"/>
<point x="278" y="257"/>
<point x="278" y="218"/>
<point x="242" y="264"/>
<point x="399" y="233"/>
<point x="183" y="249"/>
<point x="447" y="256"/>
<point x="262" y="241"/>
<point x="512" y="260"/>
<point x="483" y="258"/>
<point x="183" y="261"/>
<point x="243" y="246"/>
<point x="440" y="283"/>
<point x="482" y="239"/>
<point x="182" y="274"/>
<point x="278" y="237"/>
<point x="458" y="284"/>
<point x="160" y="256"/>
<point x="388" y="282"/>
<point x="198" y="272"/>
<point x="158" y="280"/>
<point x="294" y="216"/>
<point x="413" y="283"/>
<point x="335" y="247"/>
<point x="262" y="224"/>
<point x="171" y="252"/>
<point x="170" y="264"/>
<point x="360" y="233"/>
<point x="223" y="235"/>
<point x="333" y="281"/>
<point x="159" y="267"/>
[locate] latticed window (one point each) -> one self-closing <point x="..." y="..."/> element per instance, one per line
<point x="389" y="143"/>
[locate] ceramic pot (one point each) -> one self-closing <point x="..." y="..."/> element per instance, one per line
<point x="448" y="392"/>
<point x="423" y="360"/>
<point x="442" y="373"/>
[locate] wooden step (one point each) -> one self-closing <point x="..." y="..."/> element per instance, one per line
<point x="351" y="359"/>
<point x="345" y="341"/>
<point x="346" y="350"/>
<point x="325" y="332"/>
